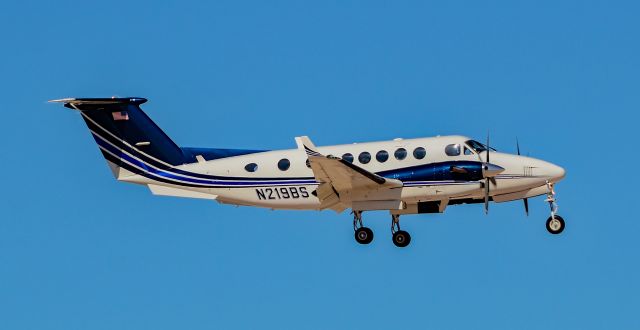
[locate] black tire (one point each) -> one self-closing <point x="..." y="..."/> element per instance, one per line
<point x="364" y="235"/>
<point x="555" y="230"/>
<point x="401" y="238"/>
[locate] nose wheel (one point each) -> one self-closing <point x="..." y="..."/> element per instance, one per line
<point x="555" y="223"/>
<point x="363" y="235"/>
<point x="400" y="238"/>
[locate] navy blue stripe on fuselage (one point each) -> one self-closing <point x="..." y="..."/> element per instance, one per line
<point x="435" y="183"/>
<point x="125" y="158"/>
<point x="140" y="172"/>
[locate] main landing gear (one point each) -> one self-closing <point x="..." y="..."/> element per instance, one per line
<point x="555" y="223"/>
<point x="363" y="235"/>
<point x="400" y="238"/>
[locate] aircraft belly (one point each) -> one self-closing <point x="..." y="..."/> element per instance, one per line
<point x="439" y="192"/>
<point x="373" y="194"/>
<point x="297" y="197"/>
<point x="537" y="191"/>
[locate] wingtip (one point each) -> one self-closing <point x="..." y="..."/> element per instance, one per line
<point x="304" y="141"/>
<point x="65" y="100"/>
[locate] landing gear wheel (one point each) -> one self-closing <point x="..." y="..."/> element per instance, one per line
<point x="401" y="238"/>
<point x="555" y="224"/>
<point x="364" y="235"/>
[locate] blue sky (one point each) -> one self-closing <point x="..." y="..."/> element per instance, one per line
<point x="81" y="251"/>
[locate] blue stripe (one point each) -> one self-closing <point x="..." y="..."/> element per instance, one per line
<point x="147" y="160"/>
<point x="203" y="182"/>
<point x="438" y="183"/>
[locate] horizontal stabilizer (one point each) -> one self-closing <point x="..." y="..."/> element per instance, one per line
<point x="90" y="103"/>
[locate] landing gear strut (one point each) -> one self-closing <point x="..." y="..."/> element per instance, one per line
<point x="400" y="237"/>
<point x="555" y="223"/>
<point x="363" y="234"/>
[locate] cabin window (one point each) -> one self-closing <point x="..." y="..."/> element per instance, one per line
<point x="452" y="150"/>
<point x="419" y="152"/>
<point x="400" y="154"/>
<point x="382" y="156"/>
<point x="348" y="157"/>
<point x="251" y="167"/>
<point x="284" y="164"/>
<point x="364" y="157"/>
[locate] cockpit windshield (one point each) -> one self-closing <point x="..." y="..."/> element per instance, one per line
<point x="477" y="146"/>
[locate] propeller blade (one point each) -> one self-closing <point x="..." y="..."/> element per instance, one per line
<point x="487" y="180"/>
<point x="486" y="196"/>
<point x="488" y="149"/>
<point x="526" y="206"/>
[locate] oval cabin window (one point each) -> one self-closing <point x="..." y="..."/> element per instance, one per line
<point x="364" y="157"/>
<point x="400" y="154"/>
<point x="284" y="164"/>
<point x="452" y="150"/>
<point x="382" y="156"/>
<point x="419" y="152"/>
<point x="348" y="157"/>
<point x="251" y="167"/>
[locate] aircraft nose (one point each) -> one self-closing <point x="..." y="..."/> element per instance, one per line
<point x="554" y="172"/>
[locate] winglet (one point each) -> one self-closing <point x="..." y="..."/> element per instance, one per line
<point x="305" y="143"/>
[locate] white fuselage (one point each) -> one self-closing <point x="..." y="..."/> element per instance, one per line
<point x="268" y="186"/>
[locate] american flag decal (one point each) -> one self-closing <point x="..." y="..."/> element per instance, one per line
<point x="120" y="115"/>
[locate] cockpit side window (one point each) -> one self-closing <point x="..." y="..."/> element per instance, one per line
<point x="467" y="151"/>
<point x="452" y="150"/>
<point x="477" y="146"/>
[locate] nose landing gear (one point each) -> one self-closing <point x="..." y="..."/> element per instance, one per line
<point x="555" y="223"/>
<point x="362" y="234"/>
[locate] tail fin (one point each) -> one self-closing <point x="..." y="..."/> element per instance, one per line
<point x="124" y="132"/>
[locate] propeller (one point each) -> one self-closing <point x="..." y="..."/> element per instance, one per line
<point x="486" y="180"/>
<point x="489" y="171"/>
<point x="524" y="200"/>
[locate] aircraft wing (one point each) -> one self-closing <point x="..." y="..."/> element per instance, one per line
<point x="340" y="179"/>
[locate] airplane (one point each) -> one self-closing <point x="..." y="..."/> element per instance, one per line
<point x="401" y="176"/>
